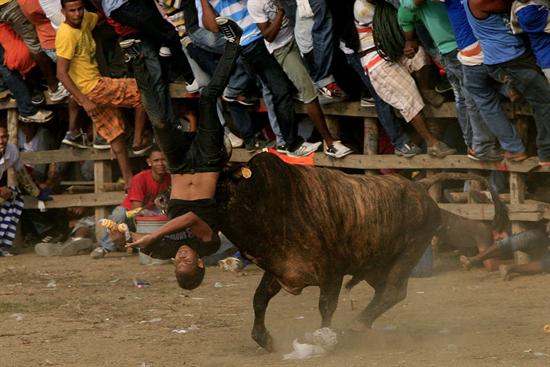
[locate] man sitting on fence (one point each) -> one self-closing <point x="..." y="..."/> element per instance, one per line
<point x="146" y="186"/>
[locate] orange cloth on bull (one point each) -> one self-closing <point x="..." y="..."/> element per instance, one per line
<point x="16" y="53"/>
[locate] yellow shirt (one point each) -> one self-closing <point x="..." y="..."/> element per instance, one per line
<point x="78" y="46"/>
<point x="2" y="2"/>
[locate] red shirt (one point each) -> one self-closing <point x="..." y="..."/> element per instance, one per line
<point x="145" y="189"/>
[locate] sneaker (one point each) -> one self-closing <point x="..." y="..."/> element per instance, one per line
<point x="244" y="100"/>
<point x="38" y="98"/>
<point x="367" y="102"/>
<point x="165" y="51"/>
<point x="129" y="47"/>
<point x="336" y="150"/>
<point x="432" y="97"/>
<point x="236" y="142"/>
<point x="141" y="149"/>
<point x="76" y="246"/>
<point x="40" y="117"/>
<point x="407" y="150"/>
<point x="332" y="90"/>
<point x="492" y="155"/>
<point x="231" y="264"/>
<point x="79" y="140"/>
<point x="47" y="249"/>
<point x="472" y="155"/>
<point x="5" y="253"/>
<point x="60" y="94"/>
<point x="515" y="157"/>
<point x="230" y="30"/>
<point x="101" y="143"/>
<point x="305" y="149"/>
<point x="255" y="144"/>
<point x="440" y="150"/>
<point x="193" y="87"/>
<point x="443" y="86"/>
<point x="98" y="253"/>
<point x="281" y="149"/>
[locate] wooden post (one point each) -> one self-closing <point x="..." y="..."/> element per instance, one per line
<point x="12" y="132"/>
<point x="370" y="144"/>
<point x="102" y="173"/>
<point x="517" y="196"/>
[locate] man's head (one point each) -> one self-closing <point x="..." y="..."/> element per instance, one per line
<point x="157" y="161"/>
<point x="189" y="268"/>
<point x="73" y="10"/>
<point x="3" y="139"/>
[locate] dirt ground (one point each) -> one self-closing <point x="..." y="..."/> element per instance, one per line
<point x="82" y="312"/>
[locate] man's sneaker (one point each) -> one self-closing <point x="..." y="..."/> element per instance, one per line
<point x="76" y="246"/>
<point x="98" y="253"/>
<point x="38" y="98"/>
<point x="443" y="86"/>
<point x="100" y="143"/>
<point x="164" y="51"/>
<point x="5" y="253"/>
<point x="282" y="149"/>
<point x="193" y="87"/>
<point x="432" y="97"/>
<point x="230" y="30"/>
<point x="78" y="140"/>
<point x="333" y="90"/>
<point x="60" y="94"/>
<point x="367" y="102"/>
<point x="492" y="155"/>
<point x="440" y="150"/>
<point x="129" y="46"/>
<point x="47" y="248"/>
<point x="407" y="150"/>
<point x="141" y="149"/>
<point x="515" y="157"/>
<point x="305" y="149"/>
<point x="255" y="144"/>
<point x="471" y="154"/>
<point x="244" y="100"/>
<point x="236" y="142"/>
<point x="336" y="150"/>
<point x="40" y="117"/>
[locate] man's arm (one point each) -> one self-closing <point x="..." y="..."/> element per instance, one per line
<point x="63" y="76"/>
<point x="209" y="17"/>
<point x="136" y="204"/>
<point x="407" y="19"/>
<point x="482" y="8"/>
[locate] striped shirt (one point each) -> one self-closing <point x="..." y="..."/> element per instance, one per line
<point x="237" y="11"/>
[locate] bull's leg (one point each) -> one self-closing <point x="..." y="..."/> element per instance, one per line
<point x="328" y="299"/>
<point x="266" y="290"/>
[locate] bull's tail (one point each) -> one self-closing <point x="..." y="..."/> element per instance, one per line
<point x="501" y="220"/>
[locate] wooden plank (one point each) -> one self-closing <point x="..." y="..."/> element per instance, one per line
<point x="69" y="155"/>
<point x="12" y="139"/>
<point x="70" y="200"/>
<point x="520" y="212"/>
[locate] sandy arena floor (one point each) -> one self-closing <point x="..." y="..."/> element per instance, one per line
<point x="80" y="312"/>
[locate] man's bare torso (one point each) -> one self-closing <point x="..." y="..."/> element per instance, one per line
<point x="194" y="186"/>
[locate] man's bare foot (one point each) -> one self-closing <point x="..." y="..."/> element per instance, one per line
<point x="466" y="263"/>
<point x="505" y="272"/>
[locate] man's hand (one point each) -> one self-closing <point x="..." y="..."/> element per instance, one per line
<point x="411" y="48"/>
<point x="6" y="193"/>
<point x="90" y="107"/>
<point x="140" y="240"/>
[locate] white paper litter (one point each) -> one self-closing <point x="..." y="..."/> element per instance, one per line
<point x="304" y="351"/>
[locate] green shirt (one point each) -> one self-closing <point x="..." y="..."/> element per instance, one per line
<point x="434" y="16"/>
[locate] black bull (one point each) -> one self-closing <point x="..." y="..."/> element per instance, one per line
<point x="311" y="226"/>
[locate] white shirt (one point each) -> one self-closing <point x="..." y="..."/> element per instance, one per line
<point x="262" y="11"/>
<point x="10" y="159"/>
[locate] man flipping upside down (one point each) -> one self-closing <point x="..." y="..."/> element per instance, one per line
<point x="194" y="161"/>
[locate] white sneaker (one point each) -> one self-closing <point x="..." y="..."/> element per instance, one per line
<point x="336" y="150"/>
<point x="39" y="117"/>
<point x="236" y="142"/>
<point x="60" y="94"/>
<point x="165" y="52"/>
<point x="193" y="87"/>
<point x="305" y="149"/>
<point x="98" y="253"/>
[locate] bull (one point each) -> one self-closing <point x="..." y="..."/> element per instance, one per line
<point x="307" y="226"/>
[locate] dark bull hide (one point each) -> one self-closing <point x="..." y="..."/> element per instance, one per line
<point x="311" y="226"/>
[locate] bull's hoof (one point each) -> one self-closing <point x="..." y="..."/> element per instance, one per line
<point x="264" y="340"/>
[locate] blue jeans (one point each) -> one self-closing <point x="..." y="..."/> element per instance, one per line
<point x="387" y="119"/>
<point x="524" y="75"/>
<point x="14" y="82"/>
<point x="118" y="216"/>
<point x="475" y="132"/>
<point x="264" y="65"/>
<point x="268" y="100"/>
<point x="323" y="45"/>
<point x="483" y="89"/>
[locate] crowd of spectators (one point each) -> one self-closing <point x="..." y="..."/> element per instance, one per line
<point x="393" y="55"/>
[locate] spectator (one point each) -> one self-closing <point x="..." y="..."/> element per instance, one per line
<point x="34" y="138"/>
<point x="262" y="64"/>
<point x="80" y="241"/>
<point x="393" y="81"/>
<point x="532" y="17"/>
<point x="146" y="186"/>
<point x="270" y="18"/>
<point x="509" y="60"/>
<point x="99" y="96"/>
<point x="11" y="200"/>
<point x="484" y="100"/>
